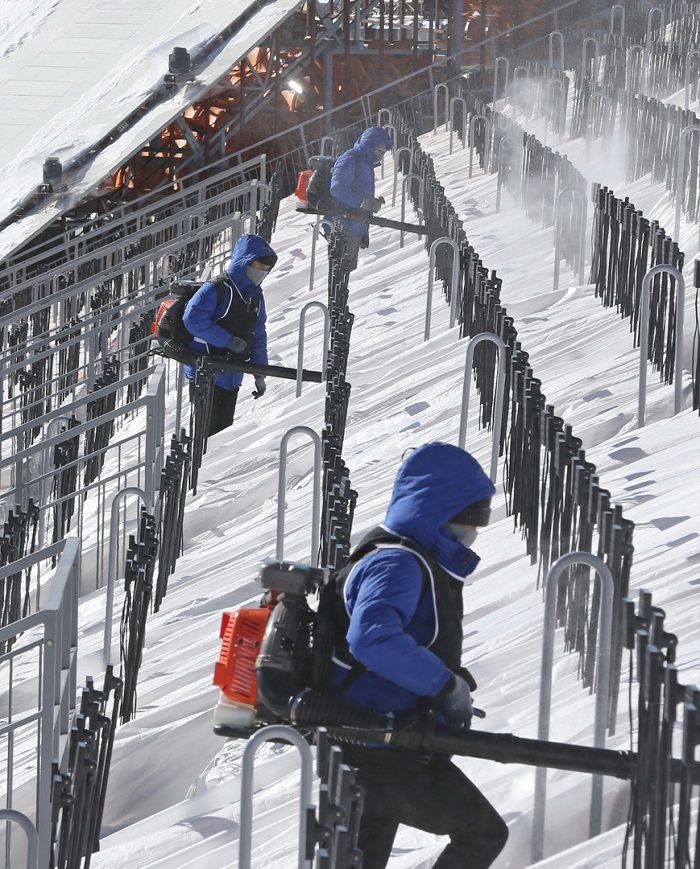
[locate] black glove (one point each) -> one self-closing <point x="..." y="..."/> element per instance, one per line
<point x="260" y="386"/>
<point x="238" y="347"/>
<point x="372" y="204"/>
<point x="468" y="678"/>
<point x="454" y="702"/>
<point x="364" y="242"/>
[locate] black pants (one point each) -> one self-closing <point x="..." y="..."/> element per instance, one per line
<point x="434" y="796"/>
<point x="222" y="408"/>
<point x="352" y="249"/>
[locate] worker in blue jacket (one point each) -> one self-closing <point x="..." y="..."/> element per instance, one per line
<point x="352" y="185"/>
<point x="227" y="316"/>
<point x="402" y="596"/>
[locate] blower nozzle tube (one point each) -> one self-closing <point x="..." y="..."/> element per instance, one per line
<point x="176" y="351"/>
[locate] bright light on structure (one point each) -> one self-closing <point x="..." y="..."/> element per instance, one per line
<point x="295" y="86"/>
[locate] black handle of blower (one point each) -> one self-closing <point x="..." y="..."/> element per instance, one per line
<point x="370" y="217"/>
<point x="501" y="747"/>
<point x="182" y="354"/>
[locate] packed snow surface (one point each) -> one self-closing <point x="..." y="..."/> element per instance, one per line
<point x="174" y="788"/>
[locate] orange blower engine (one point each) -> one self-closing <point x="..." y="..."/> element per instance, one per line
<point x="252" y="643"/>
<point x="303" y="179"/>
<point x="275" y="659"/>
<point x="241" y="636"/>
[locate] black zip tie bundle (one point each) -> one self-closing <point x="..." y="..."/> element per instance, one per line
<point x="533" y="173"/>
<point x="202" y="392"/>
<point x="79" y="788"/>
<point x="660" y="823"/>
<point x="65" y="481"/>
<point x="625" y="246"/>
<point x="339" y="499"/>
<point x="35" y="397"/>
<point x="68" y="357"/>
<point x="138" y="589"/>
<point x="19" y="537"/>
<point x="271" y="207"/>
<point x="340" y="799"/>
<point x="139" y="342"/>
<point x="97" y="439"/>
<point x="173" y="491"/>
<point x="652" y="130"/>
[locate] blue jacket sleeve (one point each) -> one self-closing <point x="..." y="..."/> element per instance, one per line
<point x="200" y="316"/>
<point x="387" y="597"/>
<point x="343" y="178"/>
<point x="258" y="352"/>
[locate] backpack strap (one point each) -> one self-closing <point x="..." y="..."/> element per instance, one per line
<point x="367" y="548"/>
<point x="221" y="283"/>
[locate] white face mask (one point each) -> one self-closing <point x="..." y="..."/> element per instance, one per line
<point x="255" y="276"/>
<point x="466" y="534"/>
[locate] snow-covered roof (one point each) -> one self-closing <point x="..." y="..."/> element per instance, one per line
<point x="70" y="70"/>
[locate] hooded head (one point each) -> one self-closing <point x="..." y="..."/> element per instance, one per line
<point x="248" y="248"/>
<point x="373" y="140"/>
<point x="434" y="485"/>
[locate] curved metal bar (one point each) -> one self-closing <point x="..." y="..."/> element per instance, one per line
<point x="633" y="53"/>
<point x="694" y="52"/>
<point x="444" y="239"/>
<point x="12" y="816"/>
<point x="496" y="66"/>
<point x="621" y="10"/>
<point x="282" y="486"/>
<point x="647" y="47"/>
<point x="293" y="737"/>
<point x="300" y="347"/>
<point x="603" y="660"/>
<point x="325" y="139"/>
<point x="411" y="176"/>
<point x="650" y="20"/>
<point x="404" y="149"/>
<point x="394" y="140"/>
<point x="472" y="126"/>
<point x="392" y="128"/>
<point x="380" y="115"/>
<point x="517" y="79"/>
<point x="573" y="191"/>
<point x="661" y="268"/>
<point x="112" y="562"/>
<point x="596" y="57"/>
<point x="464" y="120"/>
<point x="436" y="90"/>
<point x="683" y="149"/>
<point x="552" y="35"/>
<point x="500" y="390"/>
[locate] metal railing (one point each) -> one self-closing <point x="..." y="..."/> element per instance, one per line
<point x="43" y="653"/>
<point x="134" y="459"/>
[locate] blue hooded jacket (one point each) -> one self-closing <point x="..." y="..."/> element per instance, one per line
<point x="204" y="309"/>
<point x="352" y="179"/>
<point x="392" y="619"/>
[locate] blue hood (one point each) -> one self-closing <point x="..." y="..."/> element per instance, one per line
<point x="372" y="138"/>
<point x="247" y="248"/>
<point x="435" y="483"/>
